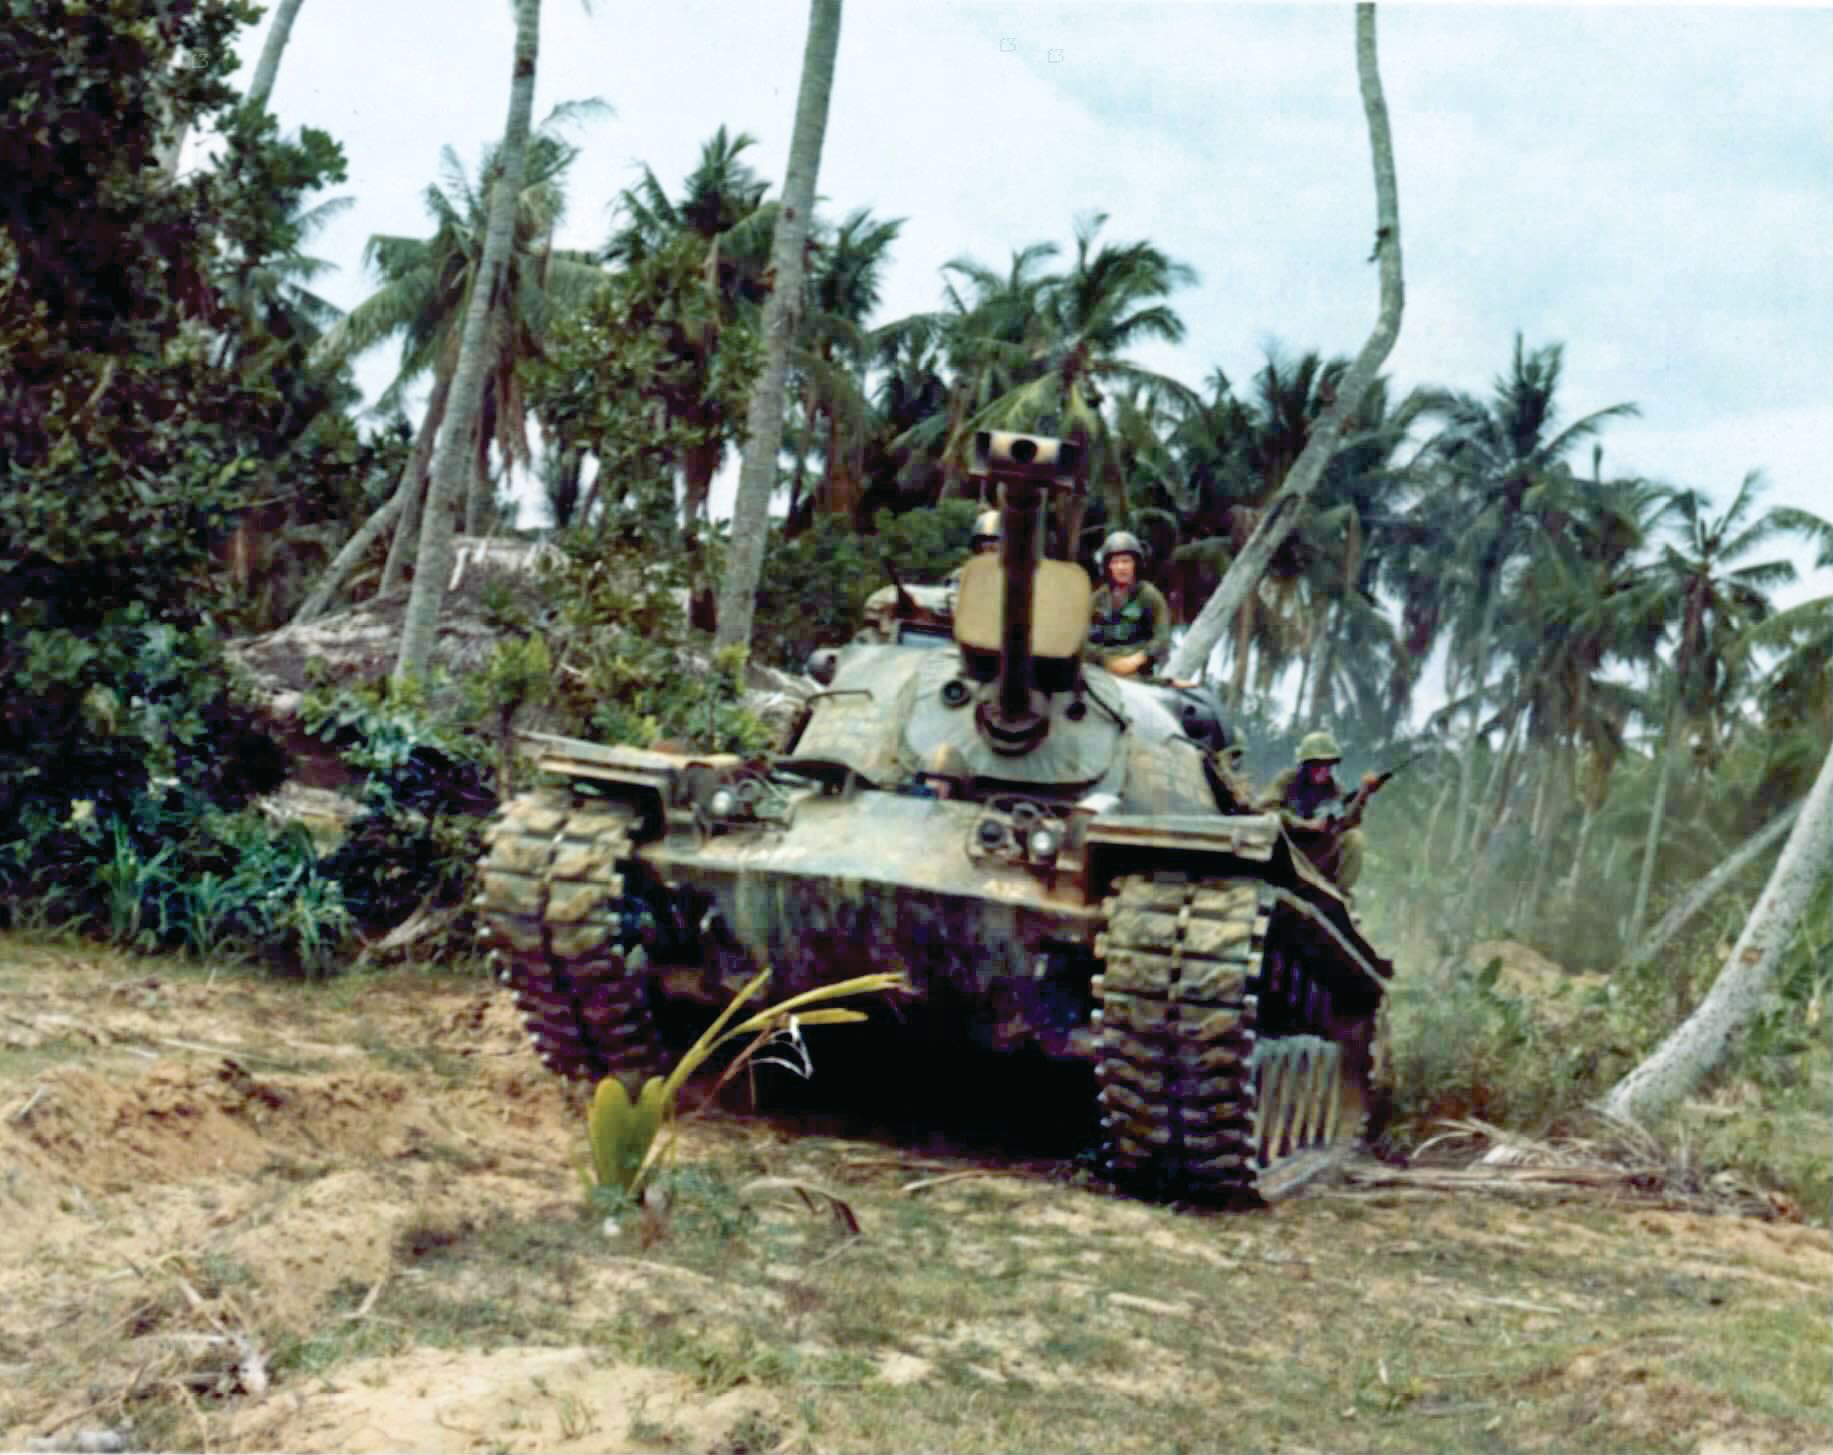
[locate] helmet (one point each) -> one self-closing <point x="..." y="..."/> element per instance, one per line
<point x="986" y="528"/>
<point x="1120" y="543"/>
<point x="1319" y="748"/>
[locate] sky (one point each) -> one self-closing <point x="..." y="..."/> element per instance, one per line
<point x="1650" y="186"/>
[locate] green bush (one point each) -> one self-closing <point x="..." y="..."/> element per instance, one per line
<point x="428" y="787"/>
<point x="813" y="588"/>
<point x="616" y="639"/>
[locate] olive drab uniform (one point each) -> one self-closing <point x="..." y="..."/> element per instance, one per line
<point x="1299" y="802"/>
<point x="1138" y="622"/>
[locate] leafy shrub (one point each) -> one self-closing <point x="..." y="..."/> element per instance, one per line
<point x="813" y="588"/>
<point x="618" y="640"/>
<point x="427" y="786"/>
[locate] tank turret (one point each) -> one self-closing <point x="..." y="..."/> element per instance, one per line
<point x="1021" y="619"/>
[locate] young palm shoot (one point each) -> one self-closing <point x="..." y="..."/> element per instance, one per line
<point x="629" y="1138"/>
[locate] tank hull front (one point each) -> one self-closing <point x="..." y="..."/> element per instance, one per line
<point x="884" y="882"/>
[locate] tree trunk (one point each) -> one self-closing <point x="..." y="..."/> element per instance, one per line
<point x="1578" y="858"/>
<point x="1702" y="893"/>
<point x="782" y="314"/>
<point x="407" y="489"/>
<point x="1524" y="909"/>
<point x="1304" y="679"/>
<point x="451" y="457"/>
<point x="1697" y="1044"/>
<point x="271" y="50"/>
<point x="1464" y="826"/>
<point x="1278" y="521"/>
<point x="479" y="491"/>
<point x="346" y="560"/>
<point x="1670" y="739"/>
<point x="415" y="482"/>
<point x="1323" y="698"/>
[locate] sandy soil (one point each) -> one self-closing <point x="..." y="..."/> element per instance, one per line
<point x="197" y="1169"/>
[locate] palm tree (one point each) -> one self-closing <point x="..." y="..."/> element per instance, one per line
<point x="834" y="351"/>
<point x="1110" y="299"/>
<point x="764" y="422"/>
<point x="427" y="284"/>
<point x="480" y="349"/>
<point x="1716" y="603"/>
<point x="987" y="332"/>
<point x="1488" y="454"/>
<point x="721" y="216"/>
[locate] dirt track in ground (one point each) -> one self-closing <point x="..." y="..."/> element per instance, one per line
<point x="245" y="1215"/>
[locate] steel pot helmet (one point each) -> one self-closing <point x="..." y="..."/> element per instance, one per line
<point x="986" y="530"/>
<point x="1120" y="543"/>
<point x="1319" y="748"/>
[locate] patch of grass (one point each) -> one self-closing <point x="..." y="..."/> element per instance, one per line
<point x="336" y="1343"/>
<point x="24" y="1061"/>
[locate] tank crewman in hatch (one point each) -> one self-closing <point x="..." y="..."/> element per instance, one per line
<point x="985" y="542"/>
<point x="1332" y="842"/>
<point x="1129" y="630"/>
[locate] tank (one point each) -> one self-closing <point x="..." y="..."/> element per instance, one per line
<point x="1057" y="859"/>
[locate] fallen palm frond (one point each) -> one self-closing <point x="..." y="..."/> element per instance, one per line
<point x="814" y="1198"/>
<point x="1622" y="1159"/>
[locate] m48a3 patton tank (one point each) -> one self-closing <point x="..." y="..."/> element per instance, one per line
<point x="1048" y="852"/>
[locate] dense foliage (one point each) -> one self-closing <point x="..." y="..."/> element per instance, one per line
<point x="153" y="389"/>
<point x="180" y="454"/>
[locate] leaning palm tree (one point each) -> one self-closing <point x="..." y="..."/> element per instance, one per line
<point x="493" y="283"/>
<point x="764" y="421"/>
<point x="427" y="284"/>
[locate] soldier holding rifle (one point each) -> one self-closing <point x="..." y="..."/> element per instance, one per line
<point x="1333" y="842"/>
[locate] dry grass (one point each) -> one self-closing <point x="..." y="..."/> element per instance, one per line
<point x="401" y="1254"/>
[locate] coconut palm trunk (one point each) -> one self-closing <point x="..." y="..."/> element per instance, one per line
<point x="1277" y="522"/>
<point x="1698" y="1043"/>
<point x="452" y="454"/>
<point x="403" y="506"/>
<point x="1638" y="913"/>
<point x="415" y="480"/>
<point x="1702" y="893"/>
<point x="268" y="67"/>
<point x="782" y="314"/>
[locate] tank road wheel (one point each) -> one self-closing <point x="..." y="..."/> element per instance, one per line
<point x="1195" y="1099"/>
<point x="568" y="942"/>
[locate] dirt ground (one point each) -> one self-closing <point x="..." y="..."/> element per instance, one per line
<point x="242" y="1215"/>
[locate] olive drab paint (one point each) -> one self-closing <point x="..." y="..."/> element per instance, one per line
<point x="1059" y="860"/>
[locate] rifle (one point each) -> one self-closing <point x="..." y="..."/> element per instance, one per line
<point x="1372" y="783"/>
<point x="906" y="603"/>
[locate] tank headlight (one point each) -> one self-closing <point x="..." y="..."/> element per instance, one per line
<point x="1043" y="843"/>
<point x="723" y="803"/>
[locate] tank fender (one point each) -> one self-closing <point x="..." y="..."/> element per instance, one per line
<point x="1202" y="843"/>
<point x="662" y="785"/>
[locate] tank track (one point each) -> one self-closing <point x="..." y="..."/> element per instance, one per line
<point x="1195" y="1099"/>
<point x="566" y="939"/>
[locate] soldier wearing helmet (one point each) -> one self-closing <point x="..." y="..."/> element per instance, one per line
<point x="1301" y="795"/>
<point x="1129" y="630"/>
<point x="984" y="542"/>
<point x="986" y="532"/>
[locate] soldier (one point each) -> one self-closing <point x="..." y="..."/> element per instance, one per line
<point x="1332" y="842"/>
<point x="985" y="542"/>
<point x="1129" y="630"/>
